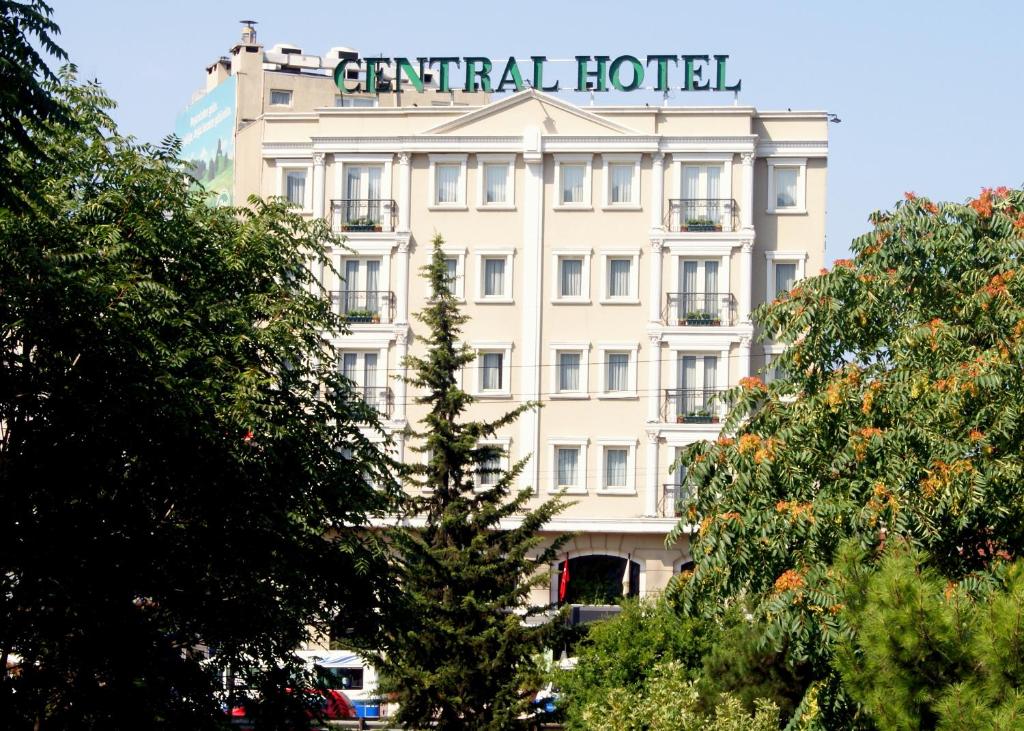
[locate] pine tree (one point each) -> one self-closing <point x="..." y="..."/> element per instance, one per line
<point x="457" y="651"/>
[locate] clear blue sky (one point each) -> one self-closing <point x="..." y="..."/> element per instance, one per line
<point x="928" y="91"/>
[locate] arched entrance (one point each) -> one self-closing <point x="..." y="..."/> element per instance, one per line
<point x="599" y="579"/>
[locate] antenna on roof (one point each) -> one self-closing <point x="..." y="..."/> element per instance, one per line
<point x="248" y="31"/>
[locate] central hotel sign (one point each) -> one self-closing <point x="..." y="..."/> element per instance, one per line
<point x="593" y="73"/>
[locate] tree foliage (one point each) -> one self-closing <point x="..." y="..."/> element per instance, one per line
<point x="181" y="464"/>
<point x="456" y="649"/>
<point x="901" y="414"/>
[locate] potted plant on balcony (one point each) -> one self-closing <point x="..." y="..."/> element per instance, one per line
<point x="362" y="316"/>
<point x="699" y="416"/>
<point x="699" y="318"/>
<point x="361" y="224"/>
<point x="701" y="224"/>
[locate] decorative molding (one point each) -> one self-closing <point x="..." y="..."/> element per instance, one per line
<point x="657" y="245"/>
<point x="793" y="148"/>
<point x="747" y="158"/>
<point x="404" y="158"/>
<point x="745" y="341"/>
<point x="319" y="158"/>
<point x="747" y="247"/>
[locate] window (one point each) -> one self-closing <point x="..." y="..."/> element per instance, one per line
<point x="699" y="299"/>
<point x="570" y="366"/>
<point x="568" y="460"/>
<point x="362" y="298"/>
<point x="280" y="98"/>
<point x="617" y="468"/>
<point x="696" y="384"/>
<point x="493" y="369"/>
<point x="622" y="181"/>
<point x="448" y="181"/>
<point x="345" y="100"/>
<point x="703" y="205"/>
<point x="495" y="271"/>
<point x="621" y="278"/>
<point x="295" y="187"/>
<point x="489" y="470"/>
<point x="617" y="379"/>
<point x="571" y="280"/>
<point x="786" y="185"/>
<point x="495" y="181"/>
<point x="572" y="178"/>
<point x="617" y="365"/>
<point x="455" y="265"/>
<point x="362" y="369"/>
<point x="784" y="270"/>
<point x="362" y="204"/>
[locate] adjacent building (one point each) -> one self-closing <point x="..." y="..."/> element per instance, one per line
<point x="609" y="258"/>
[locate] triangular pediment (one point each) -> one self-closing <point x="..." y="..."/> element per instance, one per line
<point x="529" y="109"/>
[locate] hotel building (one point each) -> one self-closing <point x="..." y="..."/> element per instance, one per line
<point x="609" y="258"/>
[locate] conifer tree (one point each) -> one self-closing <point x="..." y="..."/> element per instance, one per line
<point x="457" y="651"/>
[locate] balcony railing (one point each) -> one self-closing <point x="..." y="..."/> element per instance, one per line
<point x="673" y="497"/>
<point x="380" y="398"/>
<point x="697" y="309"/>
<point x="364" y="307"/>
<point x="691" y="406"/>
<point x="701" y="214"/>
<point x="363" y="214"/>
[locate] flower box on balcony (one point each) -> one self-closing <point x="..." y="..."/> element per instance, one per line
<point x="699" y="417"/>
<point x="700" y="319"/>
<point x="361" y="224"/>
<point x="362" y="316"/>
<point x="700" y="224"/>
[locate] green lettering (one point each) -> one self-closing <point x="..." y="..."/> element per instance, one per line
<point x="511" y="73"/>
<point x="472" y="73"/>
<point x="583" y="71"/>
<point x="638" y="73"/>
<point x="415" y="77"/>
<point x="373" y="72"/>
<point x="720" y="81"/>
<point x="538" y="74"/>
<point x="339" y="77"/>
<point x="443" y="81"/>
<point x="693" y="74"/>
<point x="662" y="69"/>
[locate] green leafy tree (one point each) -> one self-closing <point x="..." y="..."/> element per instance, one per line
<point x="927" y="653"/>
<point x="899" y="415"/>
<point x="181" y="464"/>
<point x="457" y="651"/>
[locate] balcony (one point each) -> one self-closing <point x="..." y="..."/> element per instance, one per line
<point x="379" y="397"/>
<point x="672" y="499"/>
<point x="375" y="307"/>
<point x="690" y="406"/>
<point x="363" y="215"/>
<point x="701" y="215"/>
<point x="699" y="309"/>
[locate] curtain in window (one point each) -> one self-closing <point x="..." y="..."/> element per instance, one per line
<point x="785" y="187"/>
<point x="295" y="188"/>
<point x="494" y="277"/>
<point x="713" y="212"/>
<point x="622" y="183"/>
<point x="488" y="471"/>
<point x="568" y="466"/>
<point x="618" y="371"/>
<point x="373" y="206"/>
<point x="452" y="274"/>
<point x="353" y="192"/>
<point x="785" y="277"/>
<point x="688" y="385"/>
<point x="691" y="193"/>
<point x="572" y="278"/>
<point x="495" y="180"/>
<point x="615" y="467"/>
<point x="350" y="299"/>
<point x="711" y="288"/>
<point x="710" y="378"/>
<point x="372" y="286"/>
<point x="572" y="183"/>
<point x="568" y="371"/>
<point x="370" y="391"/>
<point x="618" y="277"/>
<point x="447" y="183"/>
<point x="491" y="373"/>
<point x="688" y="288"/>
<point x="348" y="366"/>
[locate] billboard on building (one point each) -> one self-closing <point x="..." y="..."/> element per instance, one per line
<point x="206" y="129"/>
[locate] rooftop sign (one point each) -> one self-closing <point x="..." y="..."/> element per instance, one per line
<point x="593" y="73"/>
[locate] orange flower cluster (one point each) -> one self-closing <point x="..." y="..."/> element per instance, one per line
<point x="870" y="432"/>
<point x="910" y="196"/>
<point x="844" y="263"/>
<point x="983" y="203"/>
<point x="1001" y="192"/>
<point x="790" y="580"/>
<point x="823" y="271"/>
<point x="767" y="452"/>
<point x="704" y="525"/>
<point x="997" y="284"/>
<point x="753" y="383"/>
<point x="834" y="395"/>
<point x="942" y="474"/>
<point x="976" y="436"/>
<point x="869" y="397"/>
<point x="725" y="441"/>
<point x="731" y="515"/>
<point x="1019" y="222"/>
<point x="930" y="207"/>
<point x="749" y="443"/>
<point x="796" y="509"/>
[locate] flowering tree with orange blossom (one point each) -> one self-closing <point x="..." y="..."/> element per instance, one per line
<point x="901" y="414"/>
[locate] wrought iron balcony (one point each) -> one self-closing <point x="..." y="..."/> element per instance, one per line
<point x="673" y="499"/>
<point x="701" y="214"/>
<point x="700" y="309"/>
<point x="691" y="406"/>
<point x="364" y="307"/>
<point x="379" y="397"/>
<point x="363" y="214"/>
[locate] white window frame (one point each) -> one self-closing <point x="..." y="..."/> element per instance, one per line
<point x="787" y="257"/>
<point x="452" y="251"/>
<point x="285" y="166"/>
<point x="634" y="276"/>
<point x="365" y="102"/>
<point x="583" y="349"/>
<point x="633" y="350"/>
<point x="481" y="182"/>
<point x="554" y="443"/>
<point x="588" y="174"/>
<point x="491" y="346"/>
<point x="506" y="253"/>
<point x="447" y="159"/>
<point x="772" y="350"/>
<point x="504" y="443"/>
<point x="612" y="159"/>
<point x="556" y="280"/>
<point x="705" y="159"/>
<point x="801" y="185"/>
<point x="617" y="443"/>
<point x="342" y="161"/>
<point x="289" y="92"/>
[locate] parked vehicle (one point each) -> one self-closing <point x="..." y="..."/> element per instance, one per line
<point x="327" y="705"/>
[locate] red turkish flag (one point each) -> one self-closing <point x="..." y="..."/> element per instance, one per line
<point x="563" y="585"/>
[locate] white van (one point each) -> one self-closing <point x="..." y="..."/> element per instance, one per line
<point x="352" y="675"/>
